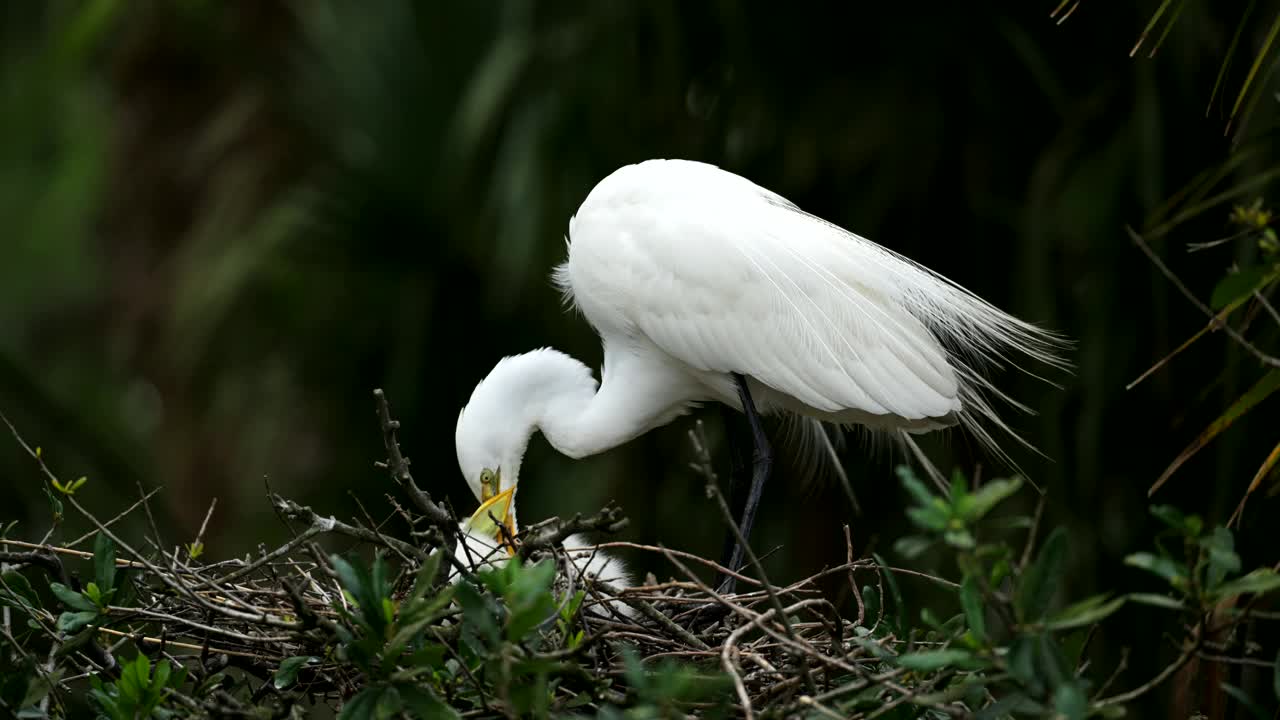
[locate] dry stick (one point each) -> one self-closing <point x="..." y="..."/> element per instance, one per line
<point x="295" y="511"/>
<point x="216" y="591"/>
<point x="681" y="554"/>
<point x="398" y="465"/>
<point x="551" y="531"/>
<point x="180" y="588"/>
<point x="1266" y="305"/>
<point x="124" y="612"/>
<point x="1231" y="332"/>
<point x="809" y="701"/>
<point x="140" y="639"/>
<point x="791" y="643"/>
<point x="648" y="611"/>
<point x="713" y="489"/>
<point x="319" y="525"/>
<point x="1175" y="666"/>
<point x="47" y="561"/>
<point x="113" y="520"/>
<point x="853" y="582"/>
<point x="376" y="528"/>
<point x="198" y="543"/>
<point x="120" y="562"/>
<point x="730" y="646"/>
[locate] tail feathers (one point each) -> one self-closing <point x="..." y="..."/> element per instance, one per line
<point x="930" y="469"/>
<point x="812" y="450"/>
<point x="814" y="453"/>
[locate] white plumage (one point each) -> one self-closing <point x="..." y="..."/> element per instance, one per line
<point x="690" y="274"/>
<point x="478" y="550"/>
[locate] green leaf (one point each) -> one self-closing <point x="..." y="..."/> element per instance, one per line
<point x="930" y="517"/>
<point x="287" y="673"/>
<point x="1260" y="390"/>
<point x="425" y="577"/>
<point x="21" y="589"/>
<point x="1223" y="559"/>
<point x="1240" y="284"/>
<point x="71" y="598"/>
<point x="971" y="602"/>
<point x="528" y="616"/>
<point x="988" y="496"/>
<point x="363" y="706"/>
<point x="368" y="587"/>
<point x="104" y="562"/>
<point x="1155" y="600"/>
<point x="430" y="655"/>
<point x="870" y="604"/>
<point x="1070" y="702"/>
<point x="930" y="660"/>
<point x="423" y="703"/>
<point x="1174" y="518"/>
<point x="1246" y="702"/>
<point x="912" y="546"/>
<point x="1168" y="568"/>
<point x="899" y="608"/>
<point x="92" y="592"/>
<point x="70" y="622"/>
<point x="1039" y="584"/>
<point x="135" y="678"/>
<point x="914" y="486"/>
<point x="959" y="488"/>
<point x="161" y="679"/>
<point x="961" y="539"/>
<point x="1260" y="581"/>
<point x="1085" y="612"/>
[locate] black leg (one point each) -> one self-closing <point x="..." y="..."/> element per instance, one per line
<point x="762" y="463"/>
<point x="739" y="465"/>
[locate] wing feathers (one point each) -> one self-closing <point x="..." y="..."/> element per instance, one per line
<point x="726" y="276"/>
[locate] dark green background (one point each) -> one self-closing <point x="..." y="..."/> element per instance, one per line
<point x="224" y="223"/>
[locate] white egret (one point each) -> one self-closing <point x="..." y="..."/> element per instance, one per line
<point x="705" y="287"/>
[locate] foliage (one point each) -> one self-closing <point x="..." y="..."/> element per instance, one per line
<point x="528" y="639"/>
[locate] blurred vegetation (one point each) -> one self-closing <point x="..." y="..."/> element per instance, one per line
<point x="224" y="223"/>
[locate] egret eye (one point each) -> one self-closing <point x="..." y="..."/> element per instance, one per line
<point x="488" y="484"/>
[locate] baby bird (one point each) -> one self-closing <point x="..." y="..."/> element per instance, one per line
<point x="481" y="546"/>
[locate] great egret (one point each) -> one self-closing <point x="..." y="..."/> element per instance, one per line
<point x="704" y="286"/>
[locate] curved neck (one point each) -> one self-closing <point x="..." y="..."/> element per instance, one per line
<point x="637" y="394"/>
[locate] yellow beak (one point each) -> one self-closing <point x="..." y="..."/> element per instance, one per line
<point x="493" y="514"/>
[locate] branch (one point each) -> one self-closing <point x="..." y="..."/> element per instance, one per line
<point x="713" y="490"/>
<point x="398" y="465"/>
<point x="294" y="511"/>
<point x="47" y="561"/>
<point x="554" y="531"/>
<point x="1231" y="332"/>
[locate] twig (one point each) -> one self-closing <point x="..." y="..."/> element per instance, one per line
<point x="555" y="531"/>
<point x="305" y="514"/>
<point x="713" y="488"/>
<point x="199" y="541"/>
<point x="115" y="519"/>
<point x="398" y="465"/>
<point x="42" y="559"/>
<point x="1240" y="340"/>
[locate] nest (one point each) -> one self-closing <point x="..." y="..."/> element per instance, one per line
<point x="784" y="649"/>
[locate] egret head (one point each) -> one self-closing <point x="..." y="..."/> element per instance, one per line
<point x="489" y="455"/>
<point x="520" y="396"/>
<point x="487" y="525"/>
